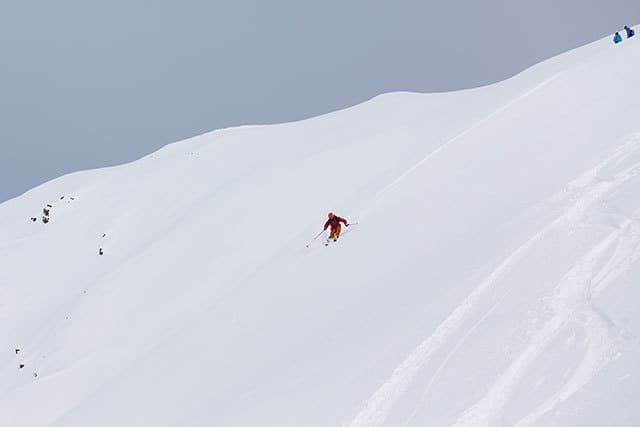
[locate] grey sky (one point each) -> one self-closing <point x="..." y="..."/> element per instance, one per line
<point x="89" y="83"/>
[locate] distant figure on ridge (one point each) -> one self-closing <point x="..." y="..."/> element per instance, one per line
<point x="617" y="38"/>
<point x="630" y="32"/>
<point x="334" y="221"/>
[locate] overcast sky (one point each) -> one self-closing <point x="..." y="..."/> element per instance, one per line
<point x="87" y="83"/>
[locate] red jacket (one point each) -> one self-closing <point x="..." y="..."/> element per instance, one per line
<point x="334" y="222"/>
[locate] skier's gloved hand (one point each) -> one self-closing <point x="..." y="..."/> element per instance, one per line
<point x="346" y="225"/>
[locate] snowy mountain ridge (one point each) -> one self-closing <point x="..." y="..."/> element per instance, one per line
<point x="488" y="279"/>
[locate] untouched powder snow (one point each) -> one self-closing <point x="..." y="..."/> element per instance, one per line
<point x="490" y="276"/>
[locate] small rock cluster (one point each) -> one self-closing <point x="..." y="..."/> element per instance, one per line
<point x="101" y="251"/>
<point x="46" y="217"/>
<point x="22" y="365"/>
<point x="45" y="213"/>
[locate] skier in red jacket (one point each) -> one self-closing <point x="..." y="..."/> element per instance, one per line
<point x="334" y="222"/>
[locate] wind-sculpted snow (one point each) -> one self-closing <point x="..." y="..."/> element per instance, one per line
<point x="490" y="277"/>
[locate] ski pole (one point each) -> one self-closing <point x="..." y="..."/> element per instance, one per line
<point x="317" y="235"/>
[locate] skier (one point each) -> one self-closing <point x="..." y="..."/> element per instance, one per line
<point x="630" y="32"/>
<point x="334" y="221"/>
<point x="617" y="38"/>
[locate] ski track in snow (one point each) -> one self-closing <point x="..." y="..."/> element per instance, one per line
<point x="601" y="348"/>
<point x="455" y="349"/>
<point x="584" y="192"/>
<point x="570" y="304"/>
<point x="450" y="141"/>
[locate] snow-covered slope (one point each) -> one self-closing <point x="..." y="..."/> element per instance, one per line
<point x="491" y="278"/>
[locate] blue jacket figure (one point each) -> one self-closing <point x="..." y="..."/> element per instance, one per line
<point x="630" y="32"/>
<point x="617" y="38"/>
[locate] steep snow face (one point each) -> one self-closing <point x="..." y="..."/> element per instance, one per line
<point x="489" y="277"/>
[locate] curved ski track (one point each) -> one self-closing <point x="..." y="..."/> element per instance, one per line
<point x="571" y="302"/>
